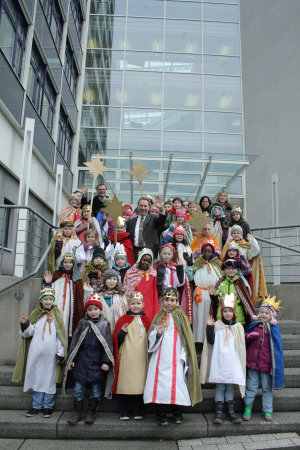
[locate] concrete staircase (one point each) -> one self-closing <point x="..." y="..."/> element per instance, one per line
<point x="198" y="421"/>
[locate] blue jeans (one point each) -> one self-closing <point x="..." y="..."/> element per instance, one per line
<point x="41" y="400"/>
<point x="253" y="377"/>
<point x="224" y="392"/>
<point x="79" y="390"/>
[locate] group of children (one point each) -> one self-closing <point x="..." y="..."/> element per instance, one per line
<point x="144" y="362"/>
<point x="132" y="329"/>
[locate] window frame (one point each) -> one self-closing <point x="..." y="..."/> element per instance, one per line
<point x="53" y="14"/>
<point x="18" y="39"/>
<point x="64" y="137"/>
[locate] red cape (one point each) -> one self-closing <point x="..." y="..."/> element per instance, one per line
<point x="127" y="318"/>
<point x="123" y="238"/>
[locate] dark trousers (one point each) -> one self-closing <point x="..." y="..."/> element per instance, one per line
<point x="132" y="403"/>
<point x="165" y="409"/>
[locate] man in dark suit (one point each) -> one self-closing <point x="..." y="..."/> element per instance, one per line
<point x="143" y="229"/>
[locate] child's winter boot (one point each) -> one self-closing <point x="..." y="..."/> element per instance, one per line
<point x="91" y="412"/>
<point x="78" y="404"/>
<point x="219" y="412"/>
<point x="230" y="413"/>
<point x="247" y="412"/>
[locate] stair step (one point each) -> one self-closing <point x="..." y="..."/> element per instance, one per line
<point x="14" y="424"/>
<point x="290" y="342"/>
<point x="291" y="358"/>
<point x="13" y="398"/>
<point x="289" y="326"/>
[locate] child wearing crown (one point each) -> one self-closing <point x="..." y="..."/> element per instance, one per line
<point x="264" y="358"/>
<point x="68" y="286"/>
<point x="223" y="358"/>
<point x="173" y="374"/>
<point x="42" y="351"/>
<point x="130" y="352"/>
<point x="86" y="222"/>
<point x="90" y="360"/>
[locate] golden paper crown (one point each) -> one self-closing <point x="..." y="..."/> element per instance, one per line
<point x="47" y="292"/>
<point x="86" y="207"/>
<point x="271" y="301"/>
<point x="69" y="255"/>
<point x="120" y="221"/>
<point x="170" y="292"/>
<point x="228" y="301"/>
<point x="136" y="295"/>
<point x="233" y="245"/>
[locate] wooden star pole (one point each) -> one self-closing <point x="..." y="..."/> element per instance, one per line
<point x="115" y="209"/>
<point x="139" y="172"/>
<point x="96" y="167"/>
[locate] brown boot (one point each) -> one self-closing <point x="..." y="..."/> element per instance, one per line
<point x="78" y="404"/>
<point x="92" y="405"/>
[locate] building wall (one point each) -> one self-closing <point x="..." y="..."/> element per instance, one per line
<point x="270" y="36"/>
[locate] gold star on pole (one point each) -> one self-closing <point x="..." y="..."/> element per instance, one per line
<point x="97" y="167"/>
<point x="139" y="172"/>
<point x="115" y="209"/>
<point x="199" y="220"/>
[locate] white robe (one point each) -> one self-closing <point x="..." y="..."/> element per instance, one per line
<point x="166" y="381"/>
<point x="203" y="278"/>
<point x="117" y="309"/>
<point x="67" y="311"/>
<point x="225" y="366"/>
<point x="111" y="250"/>
<point x="41" y="361"/>
<point x="83" y="257"/>
<point x="69" y="246"/>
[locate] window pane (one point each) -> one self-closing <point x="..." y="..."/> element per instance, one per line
<point x="181" y="62"/>
<point x="183" y="36"/>
<point x="153" y="8"/>
<point x="223" y="65"/>
<point x="183" y="142"/>
<point x="182" y="120"/>
<point x="142" y="61"/>
<point x="7" y="36"/>
<point x="223" y="13"/>
<point x="142" y="142"/>
<point x="144" y="34"/>
<point x="143" y="89"/>
<point x="106" y="32"/>
<point x="116" y="7"/>
<point x="231" y="144"/>
<point x="182" y="91"/>
<point x="100" y="116"/>
<point x="223" y="122"/>
<point x="222" y="93"/>
<point x="183" y="10"/>
<point x="102" y="87"/>
<point x="142" y="118"/>
<point x="221" y="38"/>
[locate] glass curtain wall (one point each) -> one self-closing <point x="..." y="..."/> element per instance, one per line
<point x="162" y="77"/>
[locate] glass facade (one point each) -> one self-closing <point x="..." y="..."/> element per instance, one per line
<point x="163" y="77"/>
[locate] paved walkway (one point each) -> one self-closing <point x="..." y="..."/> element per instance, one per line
<point x="245" y="442"/>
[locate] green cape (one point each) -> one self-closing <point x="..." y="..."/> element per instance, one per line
<point x="91" y="267"/>
<point x="37" y="313"/>
<point x="187" y="341"/>
<point x="215" y="262"/>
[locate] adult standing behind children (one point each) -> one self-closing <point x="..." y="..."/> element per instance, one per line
<point x="143" y="229"/>
<point x="98" y="201"/>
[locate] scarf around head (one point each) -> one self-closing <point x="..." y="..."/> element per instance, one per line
<point x="187" y="341"/>
<point x="37" y="314"/>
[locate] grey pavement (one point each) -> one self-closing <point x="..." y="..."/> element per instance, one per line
<point x="243" y="442"/>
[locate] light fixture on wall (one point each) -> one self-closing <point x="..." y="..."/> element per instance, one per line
<point x="225" y="50"/>
<point x="225" y="101"/>
<point x="192" y="100"/>
<point x="157" y="46"/>
<point x="155" y="98"/>
<point x="122" y="97"/>
<point x="190" y="48"/>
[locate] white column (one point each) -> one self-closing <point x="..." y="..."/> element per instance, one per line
<point x="58" y="192"/>
<point x="275" y="251"/>
<point x="23" y="216"/>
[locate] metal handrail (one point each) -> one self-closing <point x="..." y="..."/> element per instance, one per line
<point x="275" y="228"/>
<point x="29" y="275"/>
<point x="29" y="209"/>
<point x="277" y="245"/>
